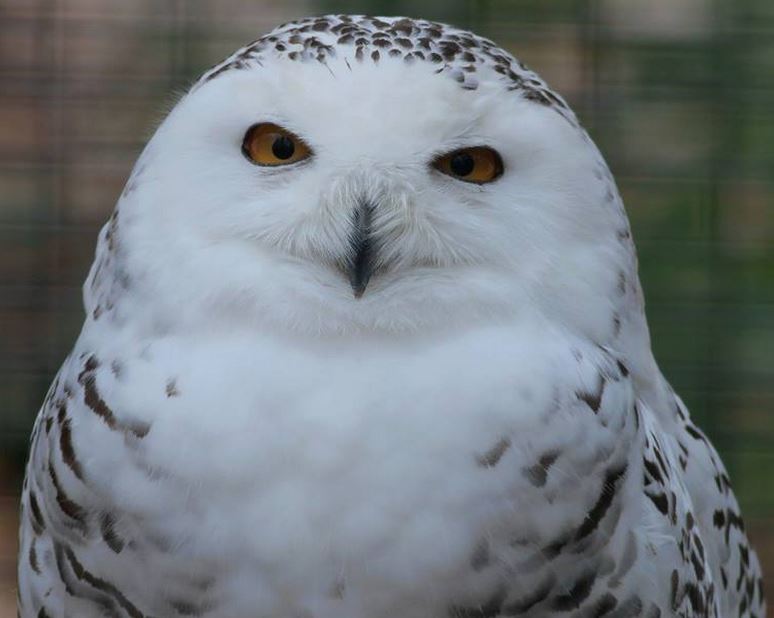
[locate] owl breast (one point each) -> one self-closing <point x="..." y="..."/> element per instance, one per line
<point x="366" y="467"/>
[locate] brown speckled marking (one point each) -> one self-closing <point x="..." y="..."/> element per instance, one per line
<point x="109" y="534"/>
<point x="577" y="594"/>
<point x="33" y="558"/>
<point x="593" y="399"/>
<point x="464" y="56"/>
<point x="102" y="589"/>
<point x="96" y="404"/>
<point x="76" y="514"/>
<point x="66" y="443"/>
<point x="537" y="474"/>
<point x="480" y="557"/>
<point x="609" y="488"/>
<point x="532" y="599"/>
<point x="338" y="589"/>
<point x="491" y="458"/>
<point x="490" y="609"/>
<point x="171" y="388"/>
<point x="38" y="523"/>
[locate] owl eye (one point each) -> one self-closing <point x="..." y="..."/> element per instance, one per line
<point x="268" y="144"/>
<point x="479" y="164"/>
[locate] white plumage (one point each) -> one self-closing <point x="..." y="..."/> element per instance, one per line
<point x="484" y="432"/>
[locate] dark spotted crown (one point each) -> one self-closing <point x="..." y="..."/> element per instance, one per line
<point x="457" y="53"/>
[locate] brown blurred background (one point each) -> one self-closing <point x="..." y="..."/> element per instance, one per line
<point x="679" y="95"/>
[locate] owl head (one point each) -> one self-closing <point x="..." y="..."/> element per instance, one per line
<point x="351" y="174"/>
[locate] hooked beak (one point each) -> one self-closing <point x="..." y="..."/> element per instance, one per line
<point x="359" y="264"/>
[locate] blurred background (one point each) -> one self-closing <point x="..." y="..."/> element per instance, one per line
<point x="678" y="94"/>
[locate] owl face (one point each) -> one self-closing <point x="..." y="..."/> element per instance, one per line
<point x="349" y="194"/>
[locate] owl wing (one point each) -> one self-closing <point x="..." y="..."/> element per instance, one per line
<point x="63" y="522"/>
<point x="732" y="563"/>
<point x="653" y="529"/>
<point x="78" y="555"/>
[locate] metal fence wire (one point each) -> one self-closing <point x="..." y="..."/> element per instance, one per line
<point x="678" y="94"/>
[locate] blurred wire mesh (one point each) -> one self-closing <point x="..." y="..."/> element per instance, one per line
<point x="679" y="95"/>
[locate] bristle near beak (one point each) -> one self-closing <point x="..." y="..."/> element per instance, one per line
<point x="359" y="265"/>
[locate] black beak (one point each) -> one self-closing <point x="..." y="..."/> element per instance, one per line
<point x="360" y="260"/>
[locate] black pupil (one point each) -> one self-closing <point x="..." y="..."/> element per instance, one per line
<point x="462" y="164"/>
<point x="283" y="147"/>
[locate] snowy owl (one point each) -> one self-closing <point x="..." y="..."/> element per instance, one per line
<point x="365" y="339"/>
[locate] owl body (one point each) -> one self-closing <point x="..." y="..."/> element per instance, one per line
<point x="359" y="386"/>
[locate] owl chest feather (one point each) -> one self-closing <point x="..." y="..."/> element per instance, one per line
<point x="381" y="467"/>
<point x="405" y="466"/>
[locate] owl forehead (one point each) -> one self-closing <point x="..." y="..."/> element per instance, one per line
<point x="456" y="54"/>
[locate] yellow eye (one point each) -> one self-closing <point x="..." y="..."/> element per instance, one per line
<point x="269" y="144"/>
<point x="479" y="164"/>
